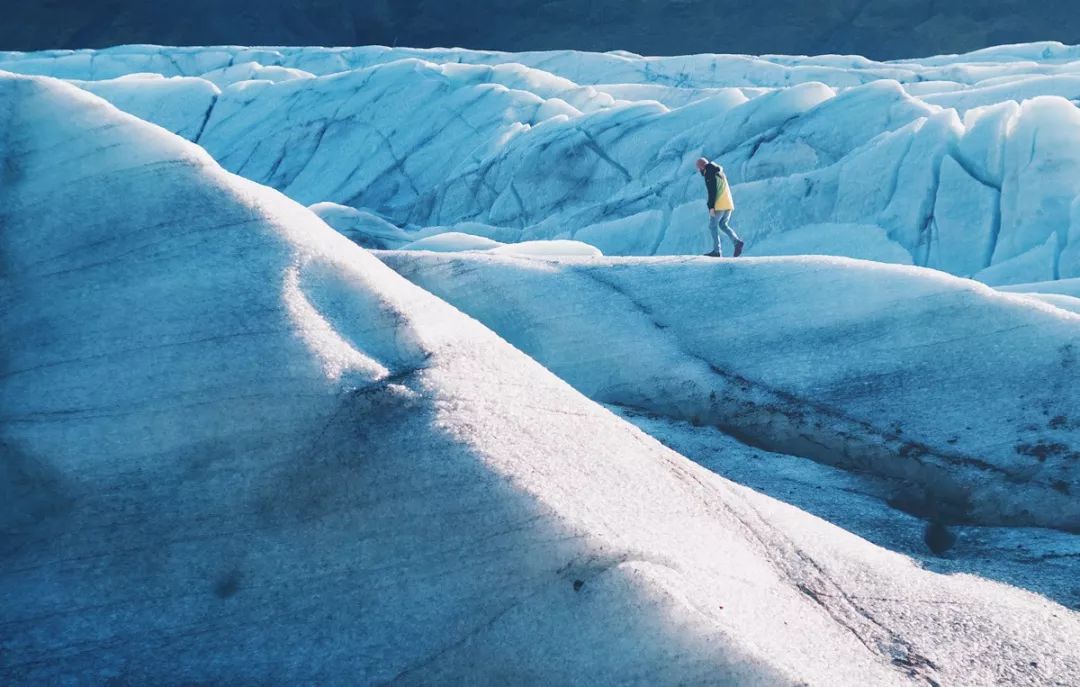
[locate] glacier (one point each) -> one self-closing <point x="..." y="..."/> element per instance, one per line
<point x="967" y="164"/>
<point x="966" y="394"/>
<point x="381" y="365"/>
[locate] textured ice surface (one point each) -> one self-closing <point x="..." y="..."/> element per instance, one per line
<point x="363" y="228"/>
<point x="967" y="394"/>
<point x="238" y="449"/>
<point x="967" y="163"/>
<point x="1041" y="560"/>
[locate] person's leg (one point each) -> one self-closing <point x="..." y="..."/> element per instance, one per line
<point x="723" y="222"/>
<point x="726" y="227"/>
<point x="714" y="219"/>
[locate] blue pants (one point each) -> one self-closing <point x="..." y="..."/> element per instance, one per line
<point x="720" y="221"/>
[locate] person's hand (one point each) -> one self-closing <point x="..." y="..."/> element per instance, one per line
<point x="712" y="212"/>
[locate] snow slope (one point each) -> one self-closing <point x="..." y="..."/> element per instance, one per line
<point x="968" y="394"/>
<point x="1038" y="559"/>
<point x="238" y="449"/>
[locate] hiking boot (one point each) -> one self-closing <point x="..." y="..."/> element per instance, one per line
<point x="738" y="248"/>
<point x="714" y="254"/>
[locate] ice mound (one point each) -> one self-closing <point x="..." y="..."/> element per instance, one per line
<point x="457" y="242"/>
<point x="967" y="394"/>
<point x="362" y="228"/>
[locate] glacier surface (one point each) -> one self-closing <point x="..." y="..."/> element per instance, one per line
<point x="967" y="394"/>
<point x="966" y="163"/>
<point x="237" y="447"/>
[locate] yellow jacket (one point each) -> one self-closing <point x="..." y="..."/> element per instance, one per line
<point x="719" y="190"/>
<point x="724" y="200"/>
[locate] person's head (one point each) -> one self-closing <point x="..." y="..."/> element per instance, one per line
<point x="701" y="164"/>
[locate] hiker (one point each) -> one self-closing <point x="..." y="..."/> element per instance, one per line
<point x="720" y="206"/>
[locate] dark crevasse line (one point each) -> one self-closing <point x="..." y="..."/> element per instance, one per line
<point x="206" y="119"/>
<point x="995" y="219"/>
<point x="995" y="233"/>
<point x="1059" y="248"/>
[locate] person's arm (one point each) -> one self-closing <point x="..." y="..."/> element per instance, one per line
<point x="711" y="187"/>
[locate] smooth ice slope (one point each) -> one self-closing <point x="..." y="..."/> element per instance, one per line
<point x="237" y="449"/>
<point x="968" y="394"/>
<point x="968" y="163"/>
<point x="362" y="228"/>
<point x="454" y="242"/>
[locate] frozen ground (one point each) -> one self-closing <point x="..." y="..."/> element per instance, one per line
<point x="969" y="163"/>
<point x="1041" y="560"/>
<point x="966" y="394"/>
<point x="239" y="448"/>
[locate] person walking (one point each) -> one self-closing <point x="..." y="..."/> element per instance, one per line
<point x="721" y="205"/>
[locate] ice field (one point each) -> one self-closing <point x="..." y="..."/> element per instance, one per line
<point x="966" y="164"/>
<point x="393" y="366"/>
